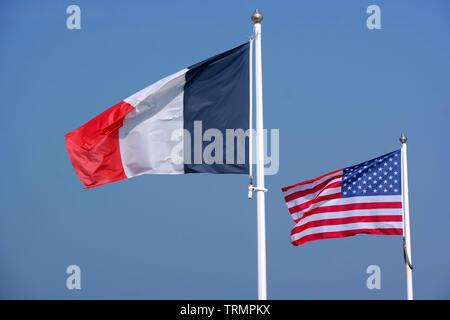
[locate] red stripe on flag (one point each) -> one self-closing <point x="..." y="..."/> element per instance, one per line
<point x="353" y="206"/>
<point x="346" y="220"/>
<point x="284" y="189"/>
<point x="314" y="189"/>
<point x="346" y="233"/>
<point x="94" y="147"/>
<point x="307" y="204"/>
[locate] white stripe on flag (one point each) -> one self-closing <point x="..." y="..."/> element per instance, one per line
<point x="349" y="226"/>
<point x="312" y="196"/>
<point x="146" y="137"/>
<point x="350" y="213"/>
<point x="351" y="200"/>
<point x="312" y="184"/>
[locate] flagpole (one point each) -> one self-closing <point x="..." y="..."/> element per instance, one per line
<point x="261" y="224"/>
<point x="406" y="232"/>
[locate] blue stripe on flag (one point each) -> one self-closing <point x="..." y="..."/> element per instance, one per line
<point x="217" y="94"/>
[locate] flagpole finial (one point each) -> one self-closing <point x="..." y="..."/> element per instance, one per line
<point x="403" y="138"/>
<point x="257" y="16"/>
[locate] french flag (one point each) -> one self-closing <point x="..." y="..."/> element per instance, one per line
<point x="195" y="120"/>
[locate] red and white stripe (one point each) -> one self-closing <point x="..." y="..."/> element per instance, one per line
<point x="320" y="212"/>
<point x="134" y="137"/>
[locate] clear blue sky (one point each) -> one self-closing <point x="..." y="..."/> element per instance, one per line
<point x="339" y="93"/>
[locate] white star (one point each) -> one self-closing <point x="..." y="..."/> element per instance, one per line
<point x="374" y="190"/>
<point x="391" y="186"/>
<point x="364" y="191"/>
<point x="345" y="192"/>
<point x="364" y="182"/>
<point x="359" y="187"/>
<point x="385" y="190"/>
<point x="390" y="159"/>
<point x="395" y="172"/>
<point x="385" y="181"/>
<point x="370" y="187"/>
<point x="396" y="190"/>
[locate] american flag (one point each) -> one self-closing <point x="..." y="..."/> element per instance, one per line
<point x="365" y="198"/>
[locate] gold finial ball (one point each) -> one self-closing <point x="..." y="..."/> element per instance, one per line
<point x="403" y="138"/>
<point x="257" y="16"/>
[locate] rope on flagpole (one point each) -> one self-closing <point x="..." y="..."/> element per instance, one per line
<point x="406" y="255"/>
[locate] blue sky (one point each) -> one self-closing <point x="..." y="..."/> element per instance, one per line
<point x="338" y="92"/>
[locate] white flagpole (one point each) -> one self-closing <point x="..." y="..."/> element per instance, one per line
<point x="261" y="224"/>
<point x="250" y="125"/>
<point x="406" y="229"/>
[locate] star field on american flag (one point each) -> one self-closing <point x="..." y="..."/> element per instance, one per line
<point x="379" y="176"/>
